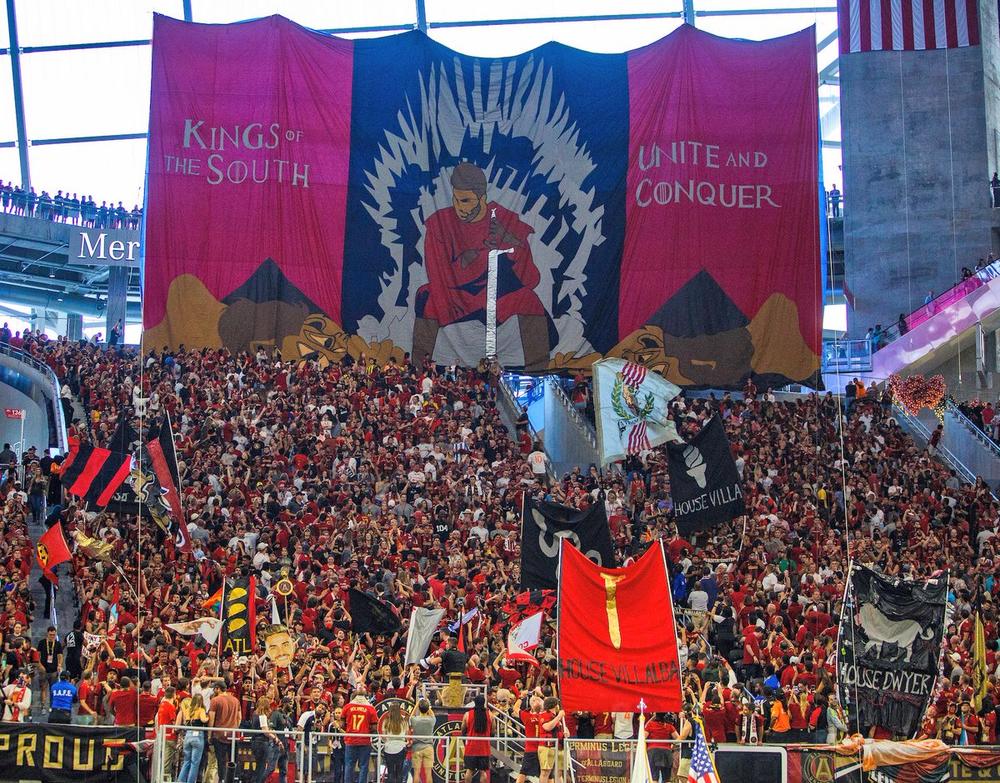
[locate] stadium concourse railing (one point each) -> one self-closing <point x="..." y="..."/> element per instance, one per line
<point x="975" y="429"/>
<point x="313" y="758"/>
<point x="57" y="422"/>
<point x="975" y="448"/>
<point x="945" y="299"/>
<point x="847" y="356"/>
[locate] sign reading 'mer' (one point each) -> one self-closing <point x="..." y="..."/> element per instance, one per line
<point x="103" y="246"/>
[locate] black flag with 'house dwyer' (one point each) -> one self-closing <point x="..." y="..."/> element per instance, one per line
<point x="888" y="649"/>
<point x="704" y="481"/>
<point x="542" y="527"/>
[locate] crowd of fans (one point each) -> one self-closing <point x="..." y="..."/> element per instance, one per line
<point x="66" y="207"/>
<point x="402" y="481"/>
<point x="982" y="413"/>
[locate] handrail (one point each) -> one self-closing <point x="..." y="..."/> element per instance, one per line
<point x="985" y="439"/>
<point x="952" y="460"/>
<point x="946" y="298"/>
<point x="510" y="729"/>
<point x="514" y="407"/>
<point x="60" y="422"/>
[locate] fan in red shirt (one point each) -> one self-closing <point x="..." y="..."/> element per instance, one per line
<point x="124" y="704"/>
<point x="532" y="721"/>
<point x="477" y="723"/>
<point x="360" y="721"/>
<point x="661" y="757"/>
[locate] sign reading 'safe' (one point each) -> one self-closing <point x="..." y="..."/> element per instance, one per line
<point x="66" y="754"/>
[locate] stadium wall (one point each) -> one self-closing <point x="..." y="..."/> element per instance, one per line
<point x="920" y="144"/>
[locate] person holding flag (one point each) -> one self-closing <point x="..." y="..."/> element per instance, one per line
<point x="659" y="730"/>
<point x="51" y="550"/>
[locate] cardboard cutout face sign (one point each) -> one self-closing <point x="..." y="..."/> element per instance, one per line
<point x="278" y="646"/>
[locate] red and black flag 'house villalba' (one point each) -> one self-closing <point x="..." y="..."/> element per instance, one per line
<point x="93" y="473"/>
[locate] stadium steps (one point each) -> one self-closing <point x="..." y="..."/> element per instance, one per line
<point x="570" y="440"/>
<point x="963" y="447"/>
<point x="507" y="752"/>
<point x="979" y="453"/>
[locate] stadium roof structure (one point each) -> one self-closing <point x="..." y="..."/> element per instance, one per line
<point x="75" y="108"/>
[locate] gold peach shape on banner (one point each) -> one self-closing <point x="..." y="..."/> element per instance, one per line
<point x="777" y="341"/>
<point x="191" y="318"/>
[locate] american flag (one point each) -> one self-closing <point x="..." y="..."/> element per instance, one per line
<point x="702" y="765"/>
<point x="906" y="25"/>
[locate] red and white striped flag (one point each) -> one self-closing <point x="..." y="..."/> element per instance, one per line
<point x="632" y="406"/>
<point x="906" y="25"/>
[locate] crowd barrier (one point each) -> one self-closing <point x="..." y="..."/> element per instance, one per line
<point x="64" y="753"/>
<point x="319" y="759"/>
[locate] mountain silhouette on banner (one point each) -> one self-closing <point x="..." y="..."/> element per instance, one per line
<point x="269" y="284"/>
<point x="700" y="307"/>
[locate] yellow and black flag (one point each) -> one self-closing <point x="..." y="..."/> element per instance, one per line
<point x="239" y="616"/>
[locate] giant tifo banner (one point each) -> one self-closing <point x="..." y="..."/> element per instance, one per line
<point x="331" y="197"/>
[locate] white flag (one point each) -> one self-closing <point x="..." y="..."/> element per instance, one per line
<point x="275" y="614"/>
<point x="523" y="638"/>
<point x="423" y="624"/>
<point x="640" y="764"/>
<point x="631" y="403"/>
<point x="208" y="627"/>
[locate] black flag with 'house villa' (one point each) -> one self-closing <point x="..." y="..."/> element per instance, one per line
<point x="704" y="482"/>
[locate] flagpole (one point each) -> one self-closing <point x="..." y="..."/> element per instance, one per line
<point x="222" y="620"/>
<point x="569" y="755"/>
<point x="20" y="457"/>
<point x="558" y="614"/>
<point x="127" y="583"/>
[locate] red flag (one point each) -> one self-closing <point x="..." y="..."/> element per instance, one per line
<point x="616" y="636"/>
<point x="51" y="550"/>
<point x="93" y="473"/>
<point x="164" y="475"/>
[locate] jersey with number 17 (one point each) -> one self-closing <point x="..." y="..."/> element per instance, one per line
<point x="359" y="719"/>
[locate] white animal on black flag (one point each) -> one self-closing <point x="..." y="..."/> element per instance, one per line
<point x="888" y="648"/>
<point x="543" y="524"/>
<point x="906" y="25"/>
<point x="704" y="482"/>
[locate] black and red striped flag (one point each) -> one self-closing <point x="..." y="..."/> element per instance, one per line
<point x="93" y="473"/>
<point x="163" y="458"/>
<point x="528" y="603"/>
<point x="906" y="25"/>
